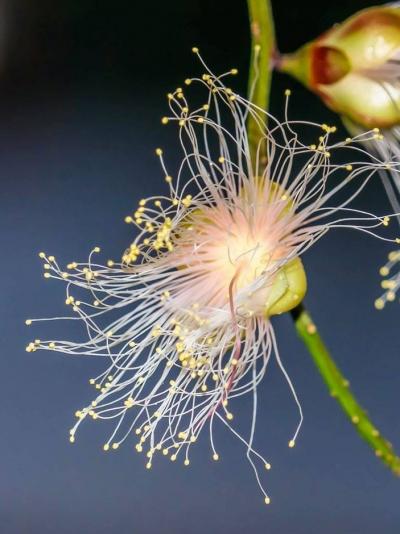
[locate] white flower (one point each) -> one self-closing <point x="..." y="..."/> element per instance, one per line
<point x="183" y="322"/>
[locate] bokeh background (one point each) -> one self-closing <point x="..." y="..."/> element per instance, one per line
<point x="82" y="90"/>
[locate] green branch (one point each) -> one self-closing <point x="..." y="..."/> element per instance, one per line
<point x="262" y="49"/>
<point x="340" y="390"/>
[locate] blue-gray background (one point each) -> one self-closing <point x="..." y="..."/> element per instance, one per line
<point x="81" y="95"/>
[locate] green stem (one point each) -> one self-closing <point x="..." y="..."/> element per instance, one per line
<point x="340" y="390"/>
<point x="262" y="49"/>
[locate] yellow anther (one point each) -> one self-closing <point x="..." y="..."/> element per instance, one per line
<point x="106" y="447"/>
<point x="187" y="201"/>
<point x="165" y="120"/>
<point x="391" y="296"/>
<point x="292" y="443"/>
<point x="288" y="92"/>
<point x="384" y="271"/>
<point x="129" y="402"/>
<point x="159" y="152"/>
<point x="215" y="456"/>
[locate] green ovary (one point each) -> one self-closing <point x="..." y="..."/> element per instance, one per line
<point x="288" y="289"/>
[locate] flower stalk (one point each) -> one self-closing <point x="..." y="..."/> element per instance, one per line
<point x="339" y="389"/>
<point x="262" y="50"/>
<point x="263" y="46"/>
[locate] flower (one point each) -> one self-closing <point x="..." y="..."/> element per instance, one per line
<point x="184" y="320"/>
<point x="355" y="68"/>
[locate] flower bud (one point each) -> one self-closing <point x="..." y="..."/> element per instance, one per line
<point x="355" y="67"/>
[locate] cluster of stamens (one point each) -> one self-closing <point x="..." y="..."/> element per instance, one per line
<point x="184" y="318"/>
<point x="391" y="281"/>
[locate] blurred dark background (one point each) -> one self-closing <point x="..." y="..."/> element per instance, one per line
<point x="82" y="87"/>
